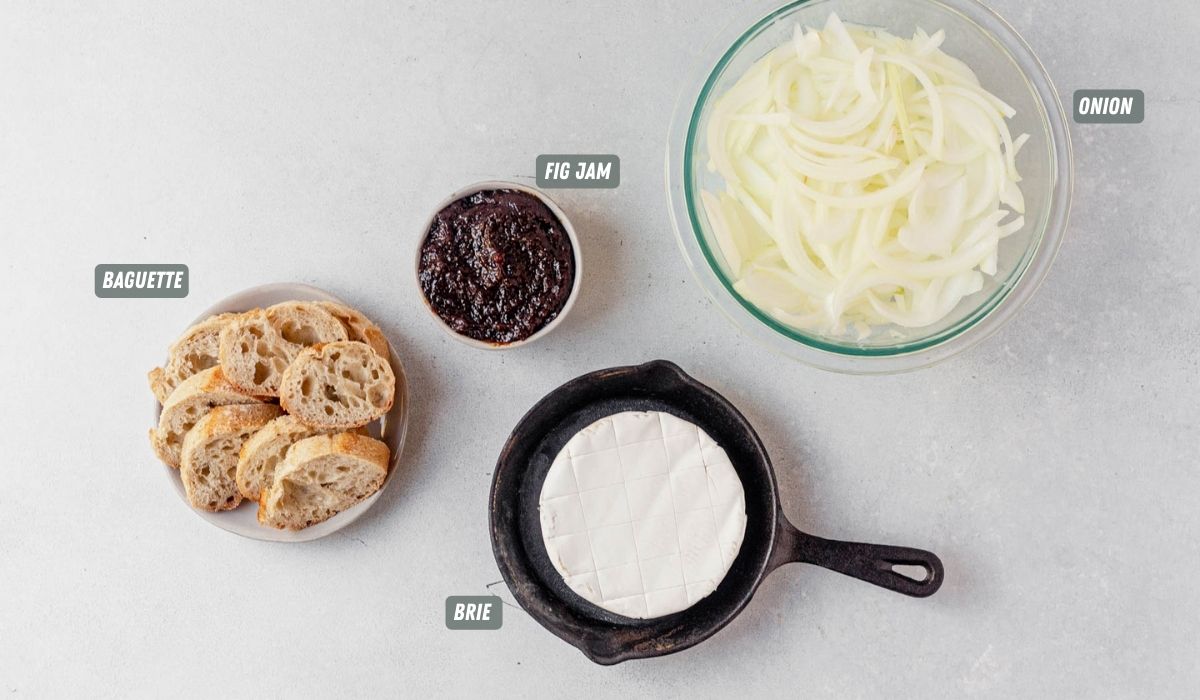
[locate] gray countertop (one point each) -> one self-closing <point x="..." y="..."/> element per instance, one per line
<point x="1053" y="467"/>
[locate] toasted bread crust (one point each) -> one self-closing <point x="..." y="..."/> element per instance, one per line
<point x="194" y="351"/>
<point x="254" y="473"/>
<point x="359" y="452"/>
<point x="350" y="444"/>
<point x="358" y="327"/>
<point x="208" y="479"/>
<point x="190" y="402"/>
<point x="223" y="420"/>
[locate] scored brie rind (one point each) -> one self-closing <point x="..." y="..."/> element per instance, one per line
<point x="642" y="514"/>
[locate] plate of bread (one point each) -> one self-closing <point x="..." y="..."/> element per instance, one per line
<point x="280" y="413"/>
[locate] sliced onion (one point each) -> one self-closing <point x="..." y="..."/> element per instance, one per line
<point x="866" y="180"/>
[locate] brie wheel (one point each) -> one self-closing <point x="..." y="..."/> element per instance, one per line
<point x="642" y="514"/>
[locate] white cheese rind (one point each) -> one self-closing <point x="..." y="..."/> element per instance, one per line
<point x="642" y="514"/>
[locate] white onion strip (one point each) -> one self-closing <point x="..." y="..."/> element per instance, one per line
<point x="867" y="178"/>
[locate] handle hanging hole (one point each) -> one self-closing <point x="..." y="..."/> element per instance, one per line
<point x="915" y="572"/>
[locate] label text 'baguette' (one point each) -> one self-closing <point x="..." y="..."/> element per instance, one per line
<point x="141" y="281"/>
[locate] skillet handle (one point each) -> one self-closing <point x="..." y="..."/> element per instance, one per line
<point x="873" y="563"/>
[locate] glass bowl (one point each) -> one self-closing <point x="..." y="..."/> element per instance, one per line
<point x="1006" y="66"/>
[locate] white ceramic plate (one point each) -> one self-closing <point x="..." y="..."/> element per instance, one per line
<point x="391" y="429"/>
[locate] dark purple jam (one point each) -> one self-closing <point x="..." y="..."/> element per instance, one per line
<point x="497" y="265"/>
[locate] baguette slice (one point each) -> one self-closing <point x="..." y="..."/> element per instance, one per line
<point x="338" y="385"/>
<point x="256" y="347"/>
<point x="191" y="401"/>
<point x="265" y="450"/>
<point x="358" y="327"/>
<point x="210" y="454"/>
<point x="194" y="351"/>
<point x="321" y="477"/>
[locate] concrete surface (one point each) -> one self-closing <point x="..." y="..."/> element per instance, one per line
<point x="1054" y="467"/>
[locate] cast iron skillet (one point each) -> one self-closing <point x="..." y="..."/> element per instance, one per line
<point x="770" y="540"/>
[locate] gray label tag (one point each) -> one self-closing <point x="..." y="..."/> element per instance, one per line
<point x="141" y="281"/>
<point x="474" y="612"/>
<point x="1109" y="106"/>
<point x="578" y="171"/>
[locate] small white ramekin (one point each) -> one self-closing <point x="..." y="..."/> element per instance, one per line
<point x="554" y="209"/>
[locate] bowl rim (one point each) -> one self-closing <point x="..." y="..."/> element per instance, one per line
<point x="554" y="209"/>
<point x="992" y="313"/>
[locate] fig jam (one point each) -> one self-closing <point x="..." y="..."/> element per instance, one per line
<point x="497" y="265"/>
